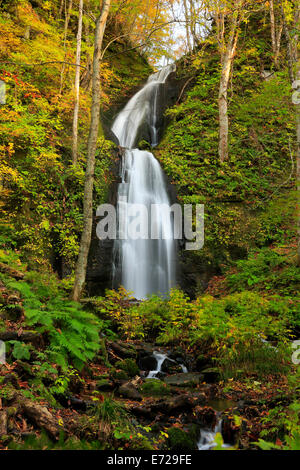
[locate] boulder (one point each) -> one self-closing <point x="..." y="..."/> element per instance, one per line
<point x="168" y="406"/>
<point x="170" y="367"/>
<point x="184" y="379"/>
<point x="205" y="416"/>
<point x="104" y="385"/>
<point x="147" y="363"/>
<point x="211" y="375"/>
<point x="128" y="390"/>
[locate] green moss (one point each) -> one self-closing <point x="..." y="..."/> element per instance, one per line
<point x="120" y="375"/>
<point x="155" y="388"/>
<point x="179" y="440"/>
<point x="129" y="366"/>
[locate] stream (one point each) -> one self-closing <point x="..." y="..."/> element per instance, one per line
<point x="207" y="436"/>
<point x="144" y="265"/>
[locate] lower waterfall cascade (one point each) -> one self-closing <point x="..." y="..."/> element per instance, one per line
<point x="143" y="266"/>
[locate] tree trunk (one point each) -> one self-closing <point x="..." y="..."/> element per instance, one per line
<point x="272" y="23"/>
<point x="276" y="33"/>
<point x="297" y="105"/>
<point x="80" y="272"/>
<point x="3" y="423"/>
<point x="76" y="87"/>
<point x="289" y="46"/>
<point x="187" y="26"/>
<point x="226" y="63"/>
<point x="61" y="8"/>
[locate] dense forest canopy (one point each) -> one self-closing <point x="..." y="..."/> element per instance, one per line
<point x="214" y="364"/>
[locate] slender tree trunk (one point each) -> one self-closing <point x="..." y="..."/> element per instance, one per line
<point x="289" y="48"/>
<point x="226" y="64"/>
<point x="80" y="272"/>
<point x="76" y="87"/>
<point x="193" y="23"/>
<point x="67" y="19"/>
<point x="61" y="8"/>
<point x="272" y="23"/>
<point x="278" y="43"/>
<point x="187" y="26"/>
<point x="297" y="106"/>
<point x="276" y="32"/>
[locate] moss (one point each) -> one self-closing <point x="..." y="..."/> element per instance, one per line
<point x="180" y="440"/>
<point x="120" y="375"/>
<point x="129" y="366"/>
<point x="154" y="387"/>
<point x="11" y="411"/>
<point x="104" y="384"/>
<point x="144" y="145"/>
<point x="7" y="393"/>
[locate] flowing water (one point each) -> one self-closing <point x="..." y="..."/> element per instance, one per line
<point x="143" y="266"/>
<point x="207" y="437"/>
<point x="160" y="358"/>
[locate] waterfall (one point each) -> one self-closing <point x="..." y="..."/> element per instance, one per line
<point x="208" y="436"/>
<point x="143" y="266"/>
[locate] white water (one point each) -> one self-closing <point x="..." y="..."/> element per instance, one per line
<point x="143" y="266"/>
<point x="160" y="358"/>
<point x="207" y="437"/>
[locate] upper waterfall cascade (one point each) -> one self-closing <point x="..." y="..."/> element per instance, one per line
<point x="143" y="266"/>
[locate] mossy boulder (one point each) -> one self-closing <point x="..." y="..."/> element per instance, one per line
<point x="211" y="374"/>
<point x="104" y="385"/>
<point x="184" y="379"/>
<point x="119" y="374"/>
<point x="129" y="366"/>
<point x="128" y="390"/>
<point x="179" y="440"/>
<point x="201" y="362"/>
<point x="170" y="366"/>
<point x="155" y="388"/>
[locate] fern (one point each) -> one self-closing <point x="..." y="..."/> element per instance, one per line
<point x="72" y="332"/>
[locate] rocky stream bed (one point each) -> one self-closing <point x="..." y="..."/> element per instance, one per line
<point x="180" y="401"/>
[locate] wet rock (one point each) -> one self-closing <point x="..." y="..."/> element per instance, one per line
<point x="201" y="362"/>
<point x="171" y="405"/>
<point x="230" y="430"/>
<point x="104" y="385"/>
<point x="205" y="416"/>
<point x="155" y="388"/>
<point x="128" y="390"/>
<point x="147" y="363"/>
<point x="129" y="366"/>
<point x="211" y="375"/>
<point x="184" y="379"/>
<point x="180" y="440"/>
<point x="123" y="350"/>
<point x="170" y="367"/>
